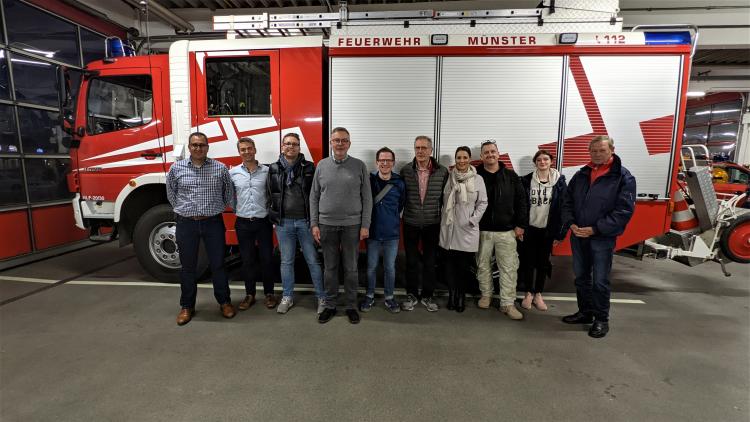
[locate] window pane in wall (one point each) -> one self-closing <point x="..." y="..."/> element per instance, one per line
<point x="35" y="31"/>
<point x="8" y="137"/>
<point x="46" y="179"/>
<point x="41" y="132"/>
<point x="729" y="110"/>
<point x="11" y="182"/>
<point x="35" y="81"/>
<point x="695" y="135"/>
<point x="697" y="115"/>
<point x="725" y="132"/>
<point x="93" y="46"/>
<point x="4" y="83"/>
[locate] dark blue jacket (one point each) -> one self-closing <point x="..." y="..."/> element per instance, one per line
<point x="606" y="206"/>
<point x="555" y="227"/>
<point x="386" y="214"/>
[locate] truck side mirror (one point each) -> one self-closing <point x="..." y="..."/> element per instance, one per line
<point x="66" y="100"/>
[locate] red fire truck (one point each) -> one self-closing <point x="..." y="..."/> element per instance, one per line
<point x="528" y="79"/>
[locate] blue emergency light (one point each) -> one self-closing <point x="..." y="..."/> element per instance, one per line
<point x="664" y="38"/>
<point x="114" y="47"/>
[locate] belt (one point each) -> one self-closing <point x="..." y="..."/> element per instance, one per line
<point x="251" y="218"/>
<point x="199" y="217"/>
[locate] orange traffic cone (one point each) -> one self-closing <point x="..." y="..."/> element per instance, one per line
<point x="683" y="218"/>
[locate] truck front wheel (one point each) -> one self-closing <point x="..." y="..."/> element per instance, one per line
<point x="155" y="244"/>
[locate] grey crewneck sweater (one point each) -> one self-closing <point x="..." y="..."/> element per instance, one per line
<point x="340" y="194"/>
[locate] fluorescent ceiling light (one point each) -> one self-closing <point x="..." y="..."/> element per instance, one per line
<point x="694" y="94"/>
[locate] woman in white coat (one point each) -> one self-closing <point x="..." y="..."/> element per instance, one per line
<point x="464" y="202"/>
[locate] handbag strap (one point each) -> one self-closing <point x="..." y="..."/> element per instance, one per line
<point x="382" y="193"/>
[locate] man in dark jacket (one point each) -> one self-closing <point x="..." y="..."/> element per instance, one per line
<point x="389" y="195"/>
<point x="503" y="222"/>
<point x="289" y="184"/>
<point x="598" y="206"/>
<point x="424" y="178"/>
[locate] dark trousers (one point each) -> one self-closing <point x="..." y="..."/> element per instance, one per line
<point x="458" y="270"/>
<point x="189" y="234"/>
<point x="340" y="245"/>
<point x="592" y="261"/>
<point x="249" y="232"/>
<point x="534" y="254"/>
<point x="429" y="236"/>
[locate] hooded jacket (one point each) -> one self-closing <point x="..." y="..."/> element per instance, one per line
<point x="507" y="201"/>
<point x="386" y="213"/>
<point x="605" y="205"/>
<point x="555" y="227"/>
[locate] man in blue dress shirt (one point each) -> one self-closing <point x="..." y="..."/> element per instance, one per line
<point x="252" y="223"/>
<point x="199" y="190"/>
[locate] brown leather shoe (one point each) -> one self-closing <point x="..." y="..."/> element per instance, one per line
<point x="270" y="301"/>
<point x="185" y="315"/>
<point x="246" y="303"/>
<point x="227" y="310"/>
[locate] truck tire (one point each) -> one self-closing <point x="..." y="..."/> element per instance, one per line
<point x="155" y="245"/>
<point x="735" y="240"/>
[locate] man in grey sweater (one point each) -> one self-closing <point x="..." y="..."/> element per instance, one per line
<point x="340" y="211"/>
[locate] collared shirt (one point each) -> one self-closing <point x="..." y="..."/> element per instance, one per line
<point x="423" y="175"/>
<point x="250" y="187"/>
<point x="600" y="170"/>
<point x="199" y="191"/>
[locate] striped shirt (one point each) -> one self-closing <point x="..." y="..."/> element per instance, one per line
<point x="251" y="191"/>
<point x="199" y="191"/>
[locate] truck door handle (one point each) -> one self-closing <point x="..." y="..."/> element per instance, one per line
<point x="150" y="155"/>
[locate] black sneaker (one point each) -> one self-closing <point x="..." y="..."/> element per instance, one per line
<point x="353" y="316"/>
<point x="326" y="315"/>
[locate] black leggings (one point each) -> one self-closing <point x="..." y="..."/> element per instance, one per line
<point x="534" y="254"/>
<point x="458" y="266"/>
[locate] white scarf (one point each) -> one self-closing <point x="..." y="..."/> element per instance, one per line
<point x="463" y="183"/>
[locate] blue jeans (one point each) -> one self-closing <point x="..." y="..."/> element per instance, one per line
<point x="592" y="261"/>
<point x="189" y="234"/>
<point x="288" y="232"/>
<point x="389" y="250"/>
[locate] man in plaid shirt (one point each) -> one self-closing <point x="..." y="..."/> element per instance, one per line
<point x="199" y="190"/>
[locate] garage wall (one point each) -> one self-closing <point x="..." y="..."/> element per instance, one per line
<point x="37" y="38"/>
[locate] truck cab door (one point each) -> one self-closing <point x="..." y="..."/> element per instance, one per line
<point x="237" y="94"/>
<point x="121" y="130"/>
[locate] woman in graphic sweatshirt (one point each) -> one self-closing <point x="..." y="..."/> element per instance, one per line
<point x="545" y="192"/>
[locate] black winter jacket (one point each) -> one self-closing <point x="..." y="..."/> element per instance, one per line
<point x="507" y="198"/>
<point x="417" y="213"/>
<point x="606" y="205"/>
<point x="276" y="184"/>
<point x="555" y="228"/>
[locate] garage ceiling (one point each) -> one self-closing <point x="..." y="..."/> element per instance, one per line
<point x="238" y="4"/>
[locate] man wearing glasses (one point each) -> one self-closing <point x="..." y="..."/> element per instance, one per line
<point x="340" y="210"/>
<point x="502" y="223"/>
<point x="424" y="178"/>
<point x="199" y="189"/>
<point x="289" y="183"/>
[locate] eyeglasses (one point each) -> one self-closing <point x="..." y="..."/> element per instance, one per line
<point x="198" y="146"/>
<point x="385" y="161"/>
<point x="489" y="142"/>
<point x="291" y="144"/>
<point x="339" y="141"/>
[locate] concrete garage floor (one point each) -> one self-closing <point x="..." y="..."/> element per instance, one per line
<point x="101" y="347"/>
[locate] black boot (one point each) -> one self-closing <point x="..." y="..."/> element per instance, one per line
<point x="460" y="301"/>
<point x="451" y="299"/>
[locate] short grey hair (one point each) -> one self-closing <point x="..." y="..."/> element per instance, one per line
<point x="423" y="138"/>
<point x="602" y="138"/>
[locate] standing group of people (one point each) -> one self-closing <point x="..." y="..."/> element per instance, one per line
<point x="468" y="214"/>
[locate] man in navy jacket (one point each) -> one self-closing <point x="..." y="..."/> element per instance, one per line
<point x="598" y="206"/>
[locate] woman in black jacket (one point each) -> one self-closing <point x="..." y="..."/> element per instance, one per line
<point x="545" y="192"/>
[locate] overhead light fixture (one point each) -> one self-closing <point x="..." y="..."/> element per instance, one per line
<point x="695" y="94"/>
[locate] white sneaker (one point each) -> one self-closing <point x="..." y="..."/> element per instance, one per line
<point x="512" y="312"/>
<point x="321" y="305"/>
<point x="285" y="305"/>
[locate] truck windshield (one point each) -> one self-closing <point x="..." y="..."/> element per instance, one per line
<point x="118" y="102"/>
